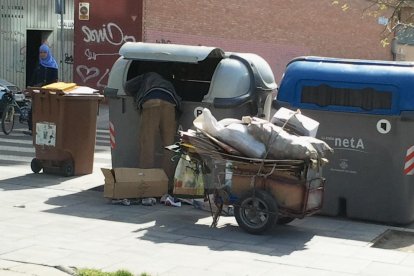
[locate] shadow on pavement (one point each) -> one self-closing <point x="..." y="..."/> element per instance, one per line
<point x="189" y="226"/>
<point x="32" y="181"/>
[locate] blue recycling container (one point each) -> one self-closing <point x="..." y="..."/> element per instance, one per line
<point x="366" y="114"/>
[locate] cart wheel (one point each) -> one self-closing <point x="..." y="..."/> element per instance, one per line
<point x="36" y="165"/>
<point x="284" y="220"/>
<point x="256" y="212"/>
<point x="67" y="168"/>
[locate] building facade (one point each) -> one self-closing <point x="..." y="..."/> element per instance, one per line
<point x="277" y="30"/>
<point x="24" y="26"/>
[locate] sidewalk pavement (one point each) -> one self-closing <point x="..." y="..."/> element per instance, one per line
<point x="48" y="221"/>
<point x="50" y="224"/>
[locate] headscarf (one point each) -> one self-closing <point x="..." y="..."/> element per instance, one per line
<point x="48" y="61"/>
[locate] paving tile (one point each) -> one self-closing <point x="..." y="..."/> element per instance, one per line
<point x="381" y="255"/>
<point x="4" y="264"/>
<point x="340" y="264"/>
<point x="385" y="269"/>
<point x="408" y="260"/>
<point x="38" y="270"/>
<point x="63" y="223"/>
<point x="247" y="267"/>
<point x="182" y="270"/>
<point x="290" y="270"/>
<point x="37" y="255"/>
<point x="326" y="247"/>
<point x="10" y="273"/>
<point x="90" y="260"/>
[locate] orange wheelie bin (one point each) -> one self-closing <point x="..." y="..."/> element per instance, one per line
<point x="64" y="131"/>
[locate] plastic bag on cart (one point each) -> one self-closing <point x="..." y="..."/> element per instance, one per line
<point x="188" y="179"/>
<point x="234" y="134"/>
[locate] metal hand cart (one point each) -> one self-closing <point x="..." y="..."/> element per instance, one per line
<point x="263" y="192"/>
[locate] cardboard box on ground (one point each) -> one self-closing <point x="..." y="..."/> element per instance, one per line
<point x="123" y="183"/>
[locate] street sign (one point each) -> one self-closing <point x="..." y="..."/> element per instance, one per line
<point x="60" y="6"/>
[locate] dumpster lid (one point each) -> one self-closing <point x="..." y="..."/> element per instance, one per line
<point x="375" y="86"/>
<point x="168" y="52"/>
<point x="262" y="71"/>
<point x="352" y="61"/>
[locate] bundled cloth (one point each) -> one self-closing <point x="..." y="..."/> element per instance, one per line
<point x="282" y="145"/>
<point x="258" y="138"/>
<point x="234" y="134"/>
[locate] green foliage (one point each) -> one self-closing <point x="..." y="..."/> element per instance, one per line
<point x="396" y="15"/>
<point x="96" y="272"/>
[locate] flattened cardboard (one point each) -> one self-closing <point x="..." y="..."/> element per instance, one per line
<point x="123" y="183"/>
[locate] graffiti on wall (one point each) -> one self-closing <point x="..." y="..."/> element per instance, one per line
<point x="163" y="41"/>
<point x="88" y="73"/>
<point x="21" y="61"/>
<point x="91" y="55"/>
<point x="110" y="35"/>
<point x="11" y="35"/>
<point x="68" y="59"/>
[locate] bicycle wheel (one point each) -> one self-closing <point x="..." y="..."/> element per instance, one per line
<point x="7" y="120"/>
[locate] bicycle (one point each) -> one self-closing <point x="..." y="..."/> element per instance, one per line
<point x="12" y="108"/>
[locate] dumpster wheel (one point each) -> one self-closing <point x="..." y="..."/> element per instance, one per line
<point x="68" y="168"/>
<point x="36" y="165"/>
<point x="256" y="212"/>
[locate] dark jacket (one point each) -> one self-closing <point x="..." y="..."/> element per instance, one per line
<point x="43" y="76"/>
<point x="141" y="86"/>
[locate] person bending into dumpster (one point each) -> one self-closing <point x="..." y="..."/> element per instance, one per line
<point x="45" y="73"/>
<point x="158" y="103"/>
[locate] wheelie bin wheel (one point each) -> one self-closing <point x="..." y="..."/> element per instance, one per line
<point x="284" y="220"/>
<point x="36" y="165"/>
<point x="256" y="211"/>
<point x="68" y="168"/>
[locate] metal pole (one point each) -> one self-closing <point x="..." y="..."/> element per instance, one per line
<point x="62" y="48"/>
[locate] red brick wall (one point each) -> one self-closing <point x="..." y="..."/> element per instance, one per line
<point x="98" y="39"/>
<point x="278" y="30"/>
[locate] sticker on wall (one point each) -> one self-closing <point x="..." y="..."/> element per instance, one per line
<point x="383" y="126"/>
<point x="83" y="11"/>
<point x="409" y="162"/>
<point x="46" y="134"/>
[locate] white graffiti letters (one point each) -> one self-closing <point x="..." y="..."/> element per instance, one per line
<point x="99" y="83"/>
<point x="110" y="33"/>
<point x="92" y="55"/>
<point x="86" y="73"/>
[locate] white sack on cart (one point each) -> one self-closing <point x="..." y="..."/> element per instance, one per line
<point x="235" y="135"/>
<point x="280" y="144"/>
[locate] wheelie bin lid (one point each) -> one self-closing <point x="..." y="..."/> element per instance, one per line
<point x="263" y="74"/>
<point x="168" y="52"/>
<point x="392" y="80"/>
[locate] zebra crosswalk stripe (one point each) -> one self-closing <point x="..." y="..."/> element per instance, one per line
<point x="19" y="148"/>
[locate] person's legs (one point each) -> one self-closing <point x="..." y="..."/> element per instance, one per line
<point x="30" y="119"/>
<point x="168" y="128"/>
<point x="148" y="131"/>
<point x="29" y="123"/>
